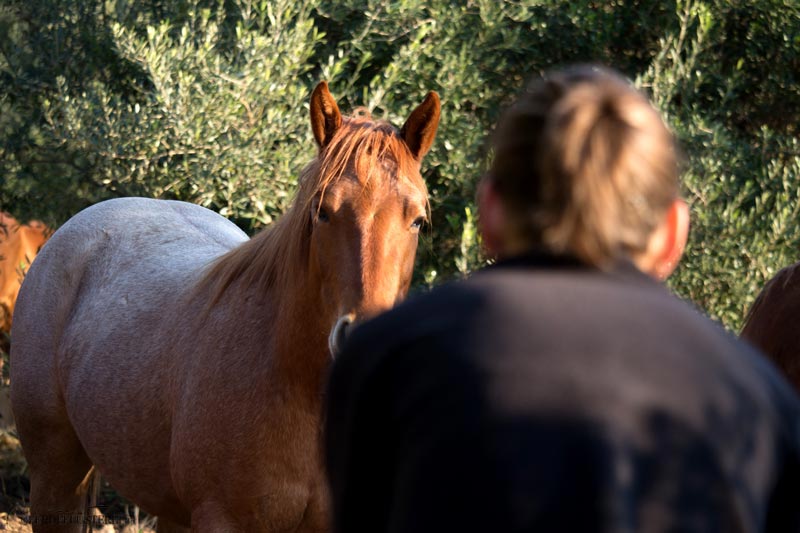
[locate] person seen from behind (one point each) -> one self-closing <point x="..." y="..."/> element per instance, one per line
<point x="563" y="388"/>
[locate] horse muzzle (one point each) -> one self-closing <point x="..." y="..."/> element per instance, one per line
<point x="339" y="334"/>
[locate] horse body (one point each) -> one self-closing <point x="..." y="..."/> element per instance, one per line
<point x="186" y="363"/>
<point x="124" y="403"/>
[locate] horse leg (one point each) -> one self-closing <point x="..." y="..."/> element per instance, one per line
<point x="60" y="474"/>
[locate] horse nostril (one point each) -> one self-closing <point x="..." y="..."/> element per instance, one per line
<point x="342" y="334"/>
<point x="339" y="334"/>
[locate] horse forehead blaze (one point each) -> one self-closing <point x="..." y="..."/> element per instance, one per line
<point x="386" y="194"/>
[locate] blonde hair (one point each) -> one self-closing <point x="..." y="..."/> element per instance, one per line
<point x="584" y="165"/>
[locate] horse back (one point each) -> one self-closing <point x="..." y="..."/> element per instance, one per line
<point x="112" y="265"/>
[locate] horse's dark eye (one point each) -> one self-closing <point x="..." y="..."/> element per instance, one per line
<point x="322" y="215"/>
<point x="418" y="223"/>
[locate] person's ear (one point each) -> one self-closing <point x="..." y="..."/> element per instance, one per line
<point x="491" y="218"/>
<point x="669" y="241"/>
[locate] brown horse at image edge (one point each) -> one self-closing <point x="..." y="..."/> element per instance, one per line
<point x="771" y="323"/>
<point x="156" y="343"/>
<point x="19" y="244"/>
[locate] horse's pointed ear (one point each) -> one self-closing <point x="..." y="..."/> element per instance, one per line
<point x="325" y="115"/>
<point x="420" y="129"/>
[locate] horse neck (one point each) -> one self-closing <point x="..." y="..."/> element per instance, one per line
<point x="300" y="337"/>
<point x="300" y="313"/>
<point x="294" y="328"/>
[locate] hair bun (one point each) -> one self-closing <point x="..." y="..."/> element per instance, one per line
<point x="586" y="165"/>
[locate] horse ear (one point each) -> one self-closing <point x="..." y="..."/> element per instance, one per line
<point x="420" y="129"/>
<point x="325" y="115"/>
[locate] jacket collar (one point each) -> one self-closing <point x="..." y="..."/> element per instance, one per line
<point x="622" y="268"/>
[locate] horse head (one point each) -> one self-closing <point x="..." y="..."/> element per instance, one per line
<point x="367" y="208"/>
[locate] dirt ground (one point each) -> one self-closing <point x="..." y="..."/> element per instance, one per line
<point x="17" y="519"/>
<point x="13" y="524"/>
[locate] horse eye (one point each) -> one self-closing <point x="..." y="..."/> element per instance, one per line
<point x="320" y="215"/>
<point x="418" y="223"/>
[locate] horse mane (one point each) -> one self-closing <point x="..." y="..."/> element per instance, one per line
<point x="278" y="255"/>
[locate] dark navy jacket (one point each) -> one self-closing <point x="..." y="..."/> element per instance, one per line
<point x="543" y="395"/>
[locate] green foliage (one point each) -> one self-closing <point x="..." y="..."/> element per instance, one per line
<point x="224" y="127"/>
<point x="205" y="101"/>
<point x="743" y="163"/>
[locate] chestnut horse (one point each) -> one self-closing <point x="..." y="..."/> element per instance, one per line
<point x="772" y="322"/>
<point x="157" y="344"/>
<point x="19" y="244"/>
